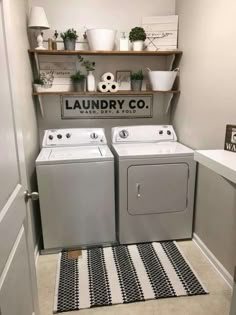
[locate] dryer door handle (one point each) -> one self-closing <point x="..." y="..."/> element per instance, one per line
<point x="138" y="187"/>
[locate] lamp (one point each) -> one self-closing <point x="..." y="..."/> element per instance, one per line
<point x="38" y="21"/>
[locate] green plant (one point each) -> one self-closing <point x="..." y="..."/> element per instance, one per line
<point x="137" y="33"/>
<point x="77" y="77"/>
<point x="137" y="75"/>
<point x="69" y="34"/>
<point x="89" y="65"/>
<point x="38" y="81"/>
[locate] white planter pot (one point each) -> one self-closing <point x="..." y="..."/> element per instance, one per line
<point x="101" y="39"/>
<point x="138" y="45"/>
<point x="91" y="82"/>
<point x="162" y="80"/>
<point x="38" y="88"/>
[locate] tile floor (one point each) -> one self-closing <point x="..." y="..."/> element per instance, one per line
<point x="216" y="303"/>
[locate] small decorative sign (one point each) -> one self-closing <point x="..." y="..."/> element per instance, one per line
<point x="100" y="106"/>
<point x="162" y="32"/>
<point x="230" y="138"/>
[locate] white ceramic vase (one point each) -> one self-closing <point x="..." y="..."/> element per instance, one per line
<point x="91" y="82"/>
<point x="138" y="45"/>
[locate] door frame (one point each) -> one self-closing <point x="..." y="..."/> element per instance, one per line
<point x="10" y="49"/>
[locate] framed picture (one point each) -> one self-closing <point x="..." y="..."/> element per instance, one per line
<point x="123" y="79"/>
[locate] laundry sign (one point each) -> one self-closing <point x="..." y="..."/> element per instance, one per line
<point x="230" y="138"/>
<point x="106" y="106"/>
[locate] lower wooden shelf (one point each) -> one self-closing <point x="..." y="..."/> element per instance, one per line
<point x="107" y="93"/>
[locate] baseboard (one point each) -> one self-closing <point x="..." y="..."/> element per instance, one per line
<point x="214" y="261"/>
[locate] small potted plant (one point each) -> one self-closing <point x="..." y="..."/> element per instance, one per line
<point x="38" y="85"/>
<point x="137" y="36"/>
<point x="69" y="38"/>
<point x="78" y="80"/>
<point x="137" y="80"/>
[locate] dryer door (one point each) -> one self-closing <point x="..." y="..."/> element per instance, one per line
<point x="157" y="188"/>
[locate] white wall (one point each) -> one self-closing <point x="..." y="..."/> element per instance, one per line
<point x="121" y="15"/>
<point x="207" y="103"/>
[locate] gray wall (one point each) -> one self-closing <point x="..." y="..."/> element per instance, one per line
<point x="120" y="15"/>
<point x="22" y="76"/>
<point x="206" y="105"/>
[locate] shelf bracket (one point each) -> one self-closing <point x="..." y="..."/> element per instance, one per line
<point x="36" y="59"/>
<point x="169" y="99"/>
<point x="39" y="101"/>
<point x="171" y="60"/>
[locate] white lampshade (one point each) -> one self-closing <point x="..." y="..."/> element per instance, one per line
<point x="38" y="19"/>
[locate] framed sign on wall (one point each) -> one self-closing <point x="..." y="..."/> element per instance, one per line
<point x="108" y="106"/>
<point x="123" y="79"/>
<point x="230" y="138"/>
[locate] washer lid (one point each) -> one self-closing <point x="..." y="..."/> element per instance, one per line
<point x="74" y="154"/>
<point x="144" y="150"/>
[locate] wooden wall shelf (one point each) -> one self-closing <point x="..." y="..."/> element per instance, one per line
<point x="107" y="53"/>
<point x="108" y="93"/>
<point x="173" y="57"/>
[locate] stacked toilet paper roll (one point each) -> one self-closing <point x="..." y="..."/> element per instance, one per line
<point x="108" y="83"/>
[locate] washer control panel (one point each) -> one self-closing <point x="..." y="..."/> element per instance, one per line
<point x="140" y="134"/>
<point x="73" y="137"/>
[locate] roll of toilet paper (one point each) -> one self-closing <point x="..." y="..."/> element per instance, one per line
<point x="103" y="87"/>
<point x="108" y="77"/>
<point x="114" y="87"/>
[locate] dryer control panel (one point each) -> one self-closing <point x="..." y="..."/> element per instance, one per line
<point x="136" y="134"/>
<point x="73" y="137"/>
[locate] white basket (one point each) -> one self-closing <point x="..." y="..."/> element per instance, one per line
<point x="162" y="80"/>
<point x="101" y="39"/>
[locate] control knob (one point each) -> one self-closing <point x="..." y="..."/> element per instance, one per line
<point x="59" y="136"/>
<point x="168" y="132"/>
<point x="94" y="136"/>
<point x="50" y="137"/>
<point x="68" y="135"/>
<point x="161" y="132"/>
<point x="123" y="134"/>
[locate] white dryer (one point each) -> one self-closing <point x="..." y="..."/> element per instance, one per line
<point x="75" y="172"/>
<point x="155" y="184"/>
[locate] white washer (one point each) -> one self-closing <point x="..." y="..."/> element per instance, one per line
<point x="75" y="171"/>
<point x="155" y="184"/>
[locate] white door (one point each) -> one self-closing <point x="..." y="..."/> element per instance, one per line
<point x="16" y="279"/>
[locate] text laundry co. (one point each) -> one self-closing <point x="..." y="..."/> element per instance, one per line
<point x="104" y="104"/>
<point x="106" y="107"/>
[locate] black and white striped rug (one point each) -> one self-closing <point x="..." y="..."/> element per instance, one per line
<point x="123" y="274"/>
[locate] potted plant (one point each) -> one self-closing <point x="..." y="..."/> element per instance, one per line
<point x="90" y="67"/>
<point x="78" y="81"/>
<point x="69" y="38"/>
<point x="38" y="85"/>
<point x="137" y="80"/>
<point x="137" y="37"/>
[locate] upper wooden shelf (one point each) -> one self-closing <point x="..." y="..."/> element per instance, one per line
<point x="108" y="53"/>
<point x="107" y="93"/>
